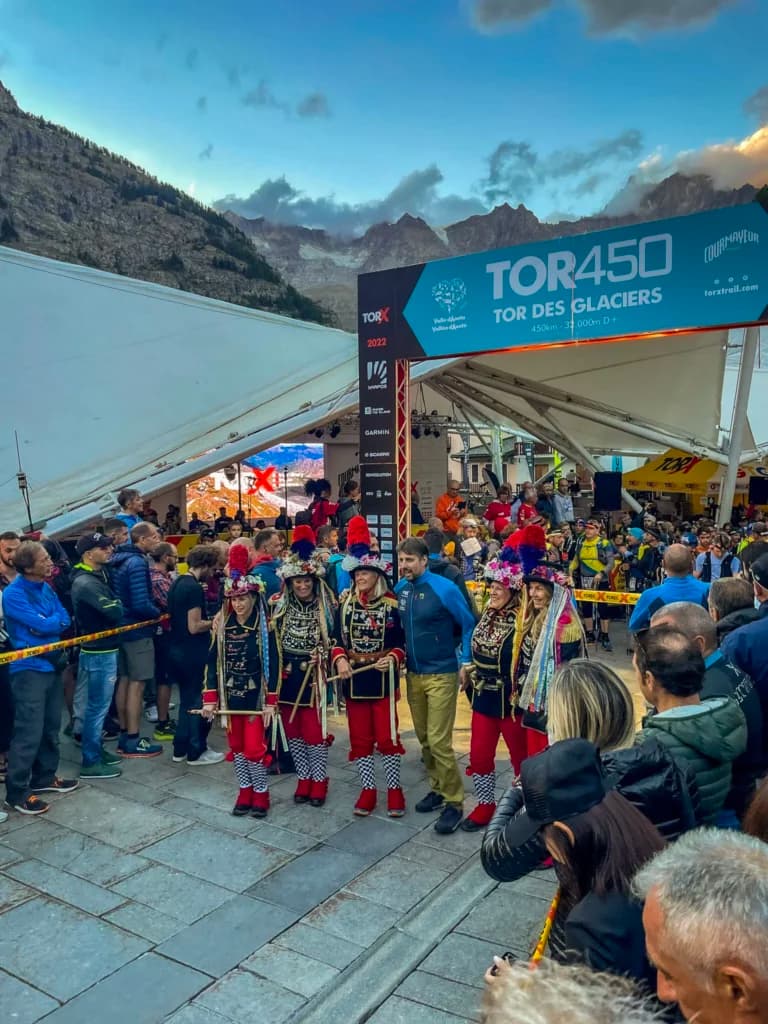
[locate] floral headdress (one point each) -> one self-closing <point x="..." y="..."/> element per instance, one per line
<point x="506" y="569"/>
<point x="302" y="561"/>
<point x="239" y="580"/>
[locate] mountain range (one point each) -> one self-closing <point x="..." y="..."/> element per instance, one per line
<point x="325" y="266"/>
<point x="64" y="197"/>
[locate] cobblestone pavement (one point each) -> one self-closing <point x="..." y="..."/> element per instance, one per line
<point x="144" y="899"/>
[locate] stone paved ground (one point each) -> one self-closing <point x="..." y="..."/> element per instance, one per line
<point x="145" y="900"/>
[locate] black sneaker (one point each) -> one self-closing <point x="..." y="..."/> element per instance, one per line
<point x="32" y="805"/>
<point x="589" y="636"/>
<point x="449" y="820"/>
<point x="605" y="643"/>
<point x="57" y="786"/>
<point x="431" y="802"/>
<point x="110" y="732"/>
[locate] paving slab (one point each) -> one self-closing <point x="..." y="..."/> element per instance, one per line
<point x="514" y="923"/>
<point x="353" y="918"/>
<point x="437" y="857"/>
<point x="202" y="789"/>
<point x="229" y="934"/>
<point x="142" y="992"/>
<point x="168" y="891"/>
<point x="113" y="819"/>
<point x="240" y="996"/>
<point x="194" y="1013"/>
<point x="310" y="878"/>
<point x="282" y="838"/>
<point x="396" y="883"/>
<point x="461" y="956"/>
<point x="145" y="922"/>
<point x="223" y="859"/>
<point x="80" y="855"/>
<point x="21" y="1003"/>
<point x="8" y="855"/>
<point x="127" y="788"/>
<point x="217" y="817"/>
<point x="397" y="1010"/>
<point x="372" y="837"/>
<point x="93" y="949"/>
<point x="328" y="949"/>
<point x="309" y="821"/>
<point x="12" y="893"/>
<point x="442" y="994"/>
<point x="291" y="970"/>
<point x="63" y="886"/>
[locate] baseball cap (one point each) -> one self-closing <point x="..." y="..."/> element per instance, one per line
<point x="759" y="528"/>
<point x="759" y="571"/>
<point x="690" y="540"/>
<point x="89" y="541"/>
<point x="560" y="783"/>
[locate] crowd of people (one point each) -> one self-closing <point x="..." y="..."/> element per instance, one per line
<point x="656" y="829"/>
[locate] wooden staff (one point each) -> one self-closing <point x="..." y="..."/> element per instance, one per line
<point x="300" y="694"/>
<point x="362" y="668"/>
<point x="225" y="712"/>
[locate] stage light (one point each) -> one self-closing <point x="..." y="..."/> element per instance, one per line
<point x="427" y="431"/>
<point x="436" y="432"/>
<point x="335" y="430"/>
<point x="319" y="432"/>
<point x="416" y="430"/>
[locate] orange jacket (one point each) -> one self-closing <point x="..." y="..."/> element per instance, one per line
<point x="448" y="511"/>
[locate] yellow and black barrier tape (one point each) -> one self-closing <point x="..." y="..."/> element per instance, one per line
<point x="75" y="641"/>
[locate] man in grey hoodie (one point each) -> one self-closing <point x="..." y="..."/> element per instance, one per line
<point x="708" y="734"/>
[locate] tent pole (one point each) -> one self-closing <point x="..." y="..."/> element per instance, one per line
<point x="588" y="459"/>
<point x="739" y="421"/>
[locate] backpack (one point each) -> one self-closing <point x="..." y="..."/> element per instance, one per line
<point x="726" y="567"/>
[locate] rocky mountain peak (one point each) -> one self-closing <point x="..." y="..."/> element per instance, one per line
<point x="8" y="103"/>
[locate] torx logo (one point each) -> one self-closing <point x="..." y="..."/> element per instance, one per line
<point x="379" y="316"/>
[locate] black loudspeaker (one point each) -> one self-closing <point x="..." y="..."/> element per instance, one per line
<point x="758" y="490"/>
<point x="608" y="492"/>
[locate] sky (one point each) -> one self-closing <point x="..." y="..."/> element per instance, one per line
<point x="342" y="114"/>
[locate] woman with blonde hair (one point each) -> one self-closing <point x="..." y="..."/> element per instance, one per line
<point x="587" y="700"/>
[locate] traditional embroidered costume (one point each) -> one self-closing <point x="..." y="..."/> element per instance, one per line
<point x="369" y="632"/>
<point x="236" y="680"/>
<point x="303" y="636"/>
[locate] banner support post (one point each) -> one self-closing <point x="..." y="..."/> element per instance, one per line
<point x="739" y="421"/>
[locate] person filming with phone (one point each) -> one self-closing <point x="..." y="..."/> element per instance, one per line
<point x="450" y="508"/>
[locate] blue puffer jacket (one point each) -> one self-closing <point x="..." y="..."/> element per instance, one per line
<point x="132" y="584"/>
<point x="436" y="621"/>
<point x="33" y="615"/>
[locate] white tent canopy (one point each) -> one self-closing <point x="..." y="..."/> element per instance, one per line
<point x="117" y="382"/>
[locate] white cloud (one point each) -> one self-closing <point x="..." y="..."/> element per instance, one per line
<point x="604" y="17"/>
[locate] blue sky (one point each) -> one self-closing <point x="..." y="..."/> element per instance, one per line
<point x="344" y="113"/>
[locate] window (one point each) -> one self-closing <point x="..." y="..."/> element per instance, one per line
<point x="475" y="473"/>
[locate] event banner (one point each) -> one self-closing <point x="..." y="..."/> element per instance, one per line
<point x="702" y="271"/>
<point x="378" y="489"/>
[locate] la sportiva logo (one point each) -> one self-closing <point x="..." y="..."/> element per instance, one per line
<point x="378" y="316"/>
<point x="377" y="374"/>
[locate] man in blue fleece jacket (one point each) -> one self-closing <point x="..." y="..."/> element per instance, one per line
<point x="436" y="621"/>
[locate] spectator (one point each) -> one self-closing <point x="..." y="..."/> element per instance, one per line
<point x="131" y="504"/>
<point x="591" y="567"/>
<point x="706" y="928"/>
<point x="588" y="701"/>
<point x="214" y="585"/>
<point x="718" y="562"/>
<point x="557" y="993"/>
<point x="349" y="506"/>
<point x="707" y="734"/>
<point x="96" y="609"/>
<point x="597" y="841"/>
<point x="195" y="524"/>
<point x="438" y="564"/>
<point x="450" y="508"/>
<point x="327" y="542"/>
<point x="527" y="512"/>
<point x="260" y="524"/>
<point x="746" y="647"/>
<point x="321" y="508"/>
<point x="722" y="679"/>
<point x="34" y="616"/>
<point x="172" y="521"/>
<point x="562" y="504"/>
<point x="417" y="519"/>
<point x="163" y="560"/>
<point x="432" y="611"/>
<point x="9" y="545"/>
<point x="499" y="508"/>
<point x="545" y="505"/>
<point x="471" y="551"/>
<point x="750" y="555"/>
<point x="223" y="521"/>
<point x="649" y="559"/>
<point x="190" y="640"/>
<point x="731" y="605"/>
<point x="284" y="521"/>
<point x="679" y="585"/>
<point x="235" y="530"/>
<point x="132" y="584"/>
<point x="269" y="548"/>
<point x="148" y="514"/>
<point x="116" y="530"/>
<point x="756" y="818"/>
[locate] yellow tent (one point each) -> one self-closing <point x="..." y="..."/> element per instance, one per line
<point x="675" y="471"/>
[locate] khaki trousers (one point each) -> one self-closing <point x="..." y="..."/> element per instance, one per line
<point x="432" y="700"/>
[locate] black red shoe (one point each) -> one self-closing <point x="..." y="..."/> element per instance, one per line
<point x="58" y="786"/>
